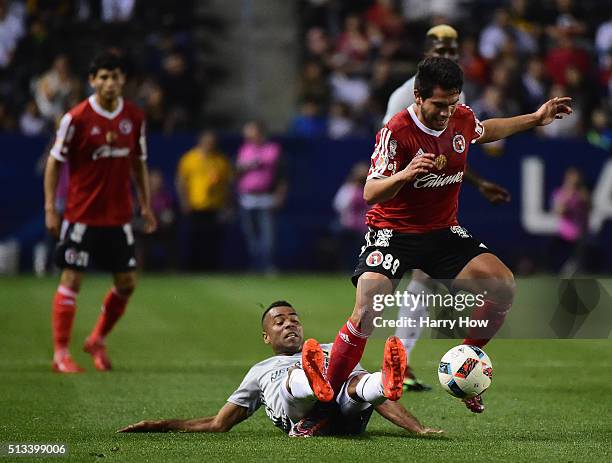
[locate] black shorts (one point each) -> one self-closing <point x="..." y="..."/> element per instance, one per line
<point x="106" y="248"/>
<point x="441" y="254"/>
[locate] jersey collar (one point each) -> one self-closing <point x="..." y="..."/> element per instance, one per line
<point x="103" y="112"/>
<point x="420" y="125"/>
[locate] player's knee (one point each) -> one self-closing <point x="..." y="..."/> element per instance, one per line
<point x="71" y="280"/>
<point x="125" y="290"/>
<point x="502" y="288"/>
<point x="125" y="285"/>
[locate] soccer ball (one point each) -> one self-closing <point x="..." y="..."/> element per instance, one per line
<point x="465" y="371"/>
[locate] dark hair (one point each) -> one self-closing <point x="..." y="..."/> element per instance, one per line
<point x="106" y="60"/>
<point x="438" y="72"/>
<point x="280" y="303"/>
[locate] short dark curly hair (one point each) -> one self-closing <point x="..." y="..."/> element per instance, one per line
<point x="279" y="303"/>
<point x="438" y="72"/>
<point x="106" y="60"/>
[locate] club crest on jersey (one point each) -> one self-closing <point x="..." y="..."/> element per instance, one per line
<point x="125" y="126"/>
<point x="374" y="259"/>
<point x="459" y="143"/>
<point x="440" y="162"/>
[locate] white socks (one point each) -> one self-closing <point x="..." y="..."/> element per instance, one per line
<point x="299" y="386"/>
<point x="370" y="388"/>
<point x="409" y="335"/>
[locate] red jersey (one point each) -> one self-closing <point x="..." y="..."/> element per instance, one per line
<point x="430" y="201"/>
<point x="100" y="148"/>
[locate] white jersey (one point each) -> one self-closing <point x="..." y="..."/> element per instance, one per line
<point x="403" y="97"/>
<point x="262" y="384"/>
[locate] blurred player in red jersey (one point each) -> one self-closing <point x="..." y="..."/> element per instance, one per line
<point x="103" y="141"/>
<point x="415" y="176"/>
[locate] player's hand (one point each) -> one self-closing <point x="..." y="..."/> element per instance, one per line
<point x="52" y="222"/>
<point x="493" y="192"/>
<point x="150" y="222"/>
<point x="430" y="432"/>
<point x="555" y="108"/>
<point x="145" y="426"/>
<point x="419" y="165"/>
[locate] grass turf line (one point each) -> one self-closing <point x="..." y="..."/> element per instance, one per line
<point x="186" y="342"/>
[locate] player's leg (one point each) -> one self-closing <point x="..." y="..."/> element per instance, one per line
<point x="351" y="340"/>
<point x="363" y="389"/>
<point x="113" y="308"/>
<point x="420" y="283"/>
<point x="63" y="311"/>
<point x="487" y="275"/>
<point x="297" y="395"/>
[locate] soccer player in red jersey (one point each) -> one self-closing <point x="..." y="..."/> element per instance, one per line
<point x="103" y="141"/>
<point x="416" y="173"/>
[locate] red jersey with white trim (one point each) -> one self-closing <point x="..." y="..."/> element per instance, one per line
<point x="100" y="148"/>
<point x="430" y="201"/>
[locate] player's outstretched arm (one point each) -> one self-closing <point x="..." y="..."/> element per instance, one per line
<point x="496" y="129"/>
<point x="379" y="190"/>
<point x="52" y="174"/>
<point x="141" y="177"/>
<point x="399" y="416"/>
<point x="493" y="192"/>
<point x="228" y="417"/>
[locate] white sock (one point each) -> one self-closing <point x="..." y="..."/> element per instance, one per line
<point x="370" y="388"/>
<point x="407" y="334"/>
<point x="298" y="385"/>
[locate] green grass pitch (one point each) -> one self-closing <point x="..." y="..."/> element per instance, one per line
<point x="186" y="342"/>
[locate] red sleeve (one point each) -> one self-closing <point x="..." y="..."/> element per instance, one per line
<point x="382" y="164"/>
<point x="64" y="138"/>
<point x="478" y="129"/>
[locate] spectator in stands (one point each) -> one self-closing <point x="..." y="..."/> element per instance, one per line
<point x="310" y="122"/>
<point x="262" y="190"/>
<point x="340" y="123"/>
<point x="7" y="123"/>
<point x="603" y="38"/>
<point x="600" y="133"/>
<point x="494" y="37"/>
<point x="475" y="68"/>
<point x="564" y="128"/>
<point x="31" y="122"/>
<point x="383" y="15"/>
<point x="180" y="91"/>
<point x="571" y="203"/>
<point x="350" y="88"/>
<point x="150" y="97"/>
<point x="56" y="90"/>
<point x="353" y="47"/>
<point x="158" y="248"/>
<point x="203" y="181"/>
<point x="12" y="28"/>
<point x="117" y="10"/>
<point x="313" y="84"/>
<point x="566" y="53"/>
<point x="534" y="85"/>
<point x="351" y="209"/>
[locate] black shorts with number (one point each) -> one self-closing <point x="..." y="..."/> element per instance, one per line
<point x="105" y="248"/>
<point x="441" y="254"/>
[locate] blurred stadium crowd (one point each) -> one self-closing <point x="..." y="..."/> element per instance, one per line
<point x="46" y="47"/>
<point x="354" y="54"/>
<point x="515" y="54"/>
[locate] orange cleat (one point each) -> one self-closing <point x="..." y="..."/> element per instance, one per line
<point x="393" y="368"/>
<point x="97" y="349"/>
<point x="313" y="363"/>
<point x="63" y="363"/>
